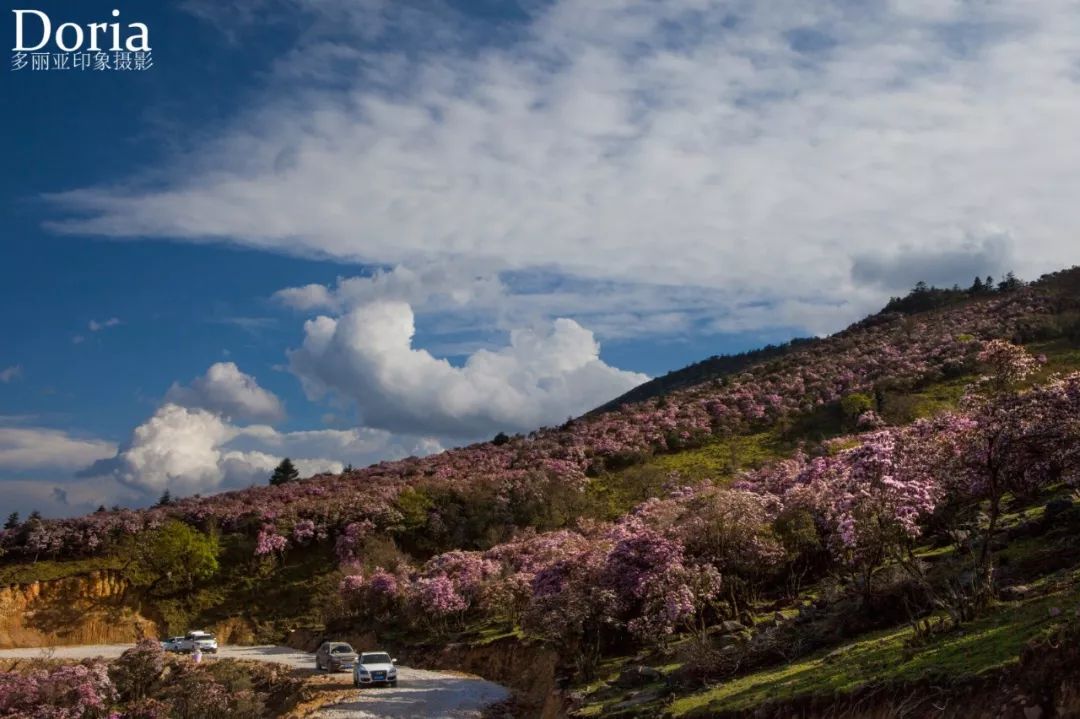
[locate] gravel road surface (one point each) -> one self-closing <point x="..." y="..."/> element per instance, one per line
<point x="420" y="694"/>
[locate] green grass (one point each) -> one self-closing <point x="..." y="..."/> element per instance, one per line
<point x="1061" y="355"/>
<point x="940" y="396"/>
<point x="885" y="657"/>
<point x="49" y="570"/>
<point x="490" y="632"/>
<point x="724" y="457"/>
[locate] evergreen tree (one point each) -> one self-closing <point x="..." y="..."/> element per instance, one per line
<point x="166" y="499"/>
<point x="12" y="521"/>
<point x="977" y="286"/>
<point x="35" y="516"/>
<point x="1009" y="283"/>
<point x="284" y="473"/>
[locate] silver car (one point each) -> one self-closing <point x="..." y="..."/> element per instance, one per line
<point x="373" y="668"/>
<point x="205" y="642"/>
<point x="335" y="657"/>
<point x="172" y="644"/>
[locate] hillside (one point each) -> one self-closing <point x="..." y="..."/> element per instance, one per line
<point x="888" y="504"/>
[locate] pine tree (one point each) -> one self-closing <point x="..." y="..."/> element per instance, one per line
<point x="284" y="473"/>
<point x="977" y="286"/>
<point x="1009" y="283"/>
<point x="35" y="516"/>
<point x="166" y="499"/>
<point x="12" y="521"/>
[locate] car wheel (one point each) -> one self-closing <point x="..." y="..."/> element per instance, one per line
<point x="393" y="683"/>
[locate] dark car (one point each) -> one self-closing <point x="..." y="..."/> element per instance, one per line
<point x="335" y="657"/>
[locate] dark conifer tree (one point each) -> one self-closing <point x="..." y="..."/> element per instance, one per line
<point x="284" y="473"/>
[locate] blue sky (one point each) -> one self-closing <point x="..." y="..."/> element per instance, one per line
<point x="269" y="243"/>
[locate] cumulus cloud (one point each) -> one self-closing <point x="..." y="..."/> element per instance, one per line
<point x="226" y="390"/>
<point x="10" y="374"/>
<point x="27" y="448"/>
<point x="761" y="148"/>
<point x="541" y="377"/>
<point x="188" y="450"/>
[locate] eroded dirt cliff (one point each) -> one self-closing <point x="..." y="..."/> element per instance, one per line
<point x="95" y="608"/>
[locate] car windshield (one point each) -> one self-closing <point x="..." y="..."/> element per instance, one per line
<point x="341" y="649"/>
<point x="378" y="658"/>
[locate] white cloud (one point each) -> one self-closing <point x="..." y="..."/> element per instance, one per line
<point x="27" y="448"/>
<point x="10" y="374"/>
<point x="226" y="390"/>
<point x="189" y="450"/>
<point x="432" y="286"/>
<point x="541" y="377"/>
<point x="754" y="148"/>
<point x="95" y="326"/>
<point x="459" y="301"/>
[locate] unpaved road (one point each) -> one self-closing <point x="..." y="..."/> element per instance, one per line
<point x="420" y="694"/>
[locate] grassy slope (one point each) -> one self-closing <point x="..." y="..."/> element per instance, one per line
<point x="49" y="570"/>
<point x="880" y="657"/>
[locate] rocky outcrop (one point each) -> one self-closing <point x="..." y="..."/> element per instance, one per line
<point x="95" y="608"/>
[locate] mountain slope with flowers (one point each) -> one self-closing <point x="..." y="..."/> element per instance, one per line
<point x="893" y="484"/>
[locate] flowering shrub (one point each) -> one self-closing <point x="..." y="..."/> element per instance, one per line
<point x="196" y="695"/>
<point x="438" y="597"/>
<point x="303" y="532"/>
<point x="382" y="583"/>
<point x="138" y="669"/>
<point x="145" y="709"/>
<point x="351" y="588"/>
<point x="349" y="543"/>
<point x="269" y="542"/>
<point x="77" y="691"/>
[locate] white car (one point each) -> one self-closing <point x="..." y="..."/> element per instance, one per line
<point x="172" y="644"/>
<point x="373" y="668"/>
<point x="205" y="641"/>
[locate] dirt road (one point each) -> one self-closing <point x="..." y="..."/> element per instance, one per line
<point x="420" y="694"/>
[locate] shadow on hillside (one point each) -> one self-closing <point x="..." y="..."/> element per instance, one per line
<point x="69" y="612"/>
